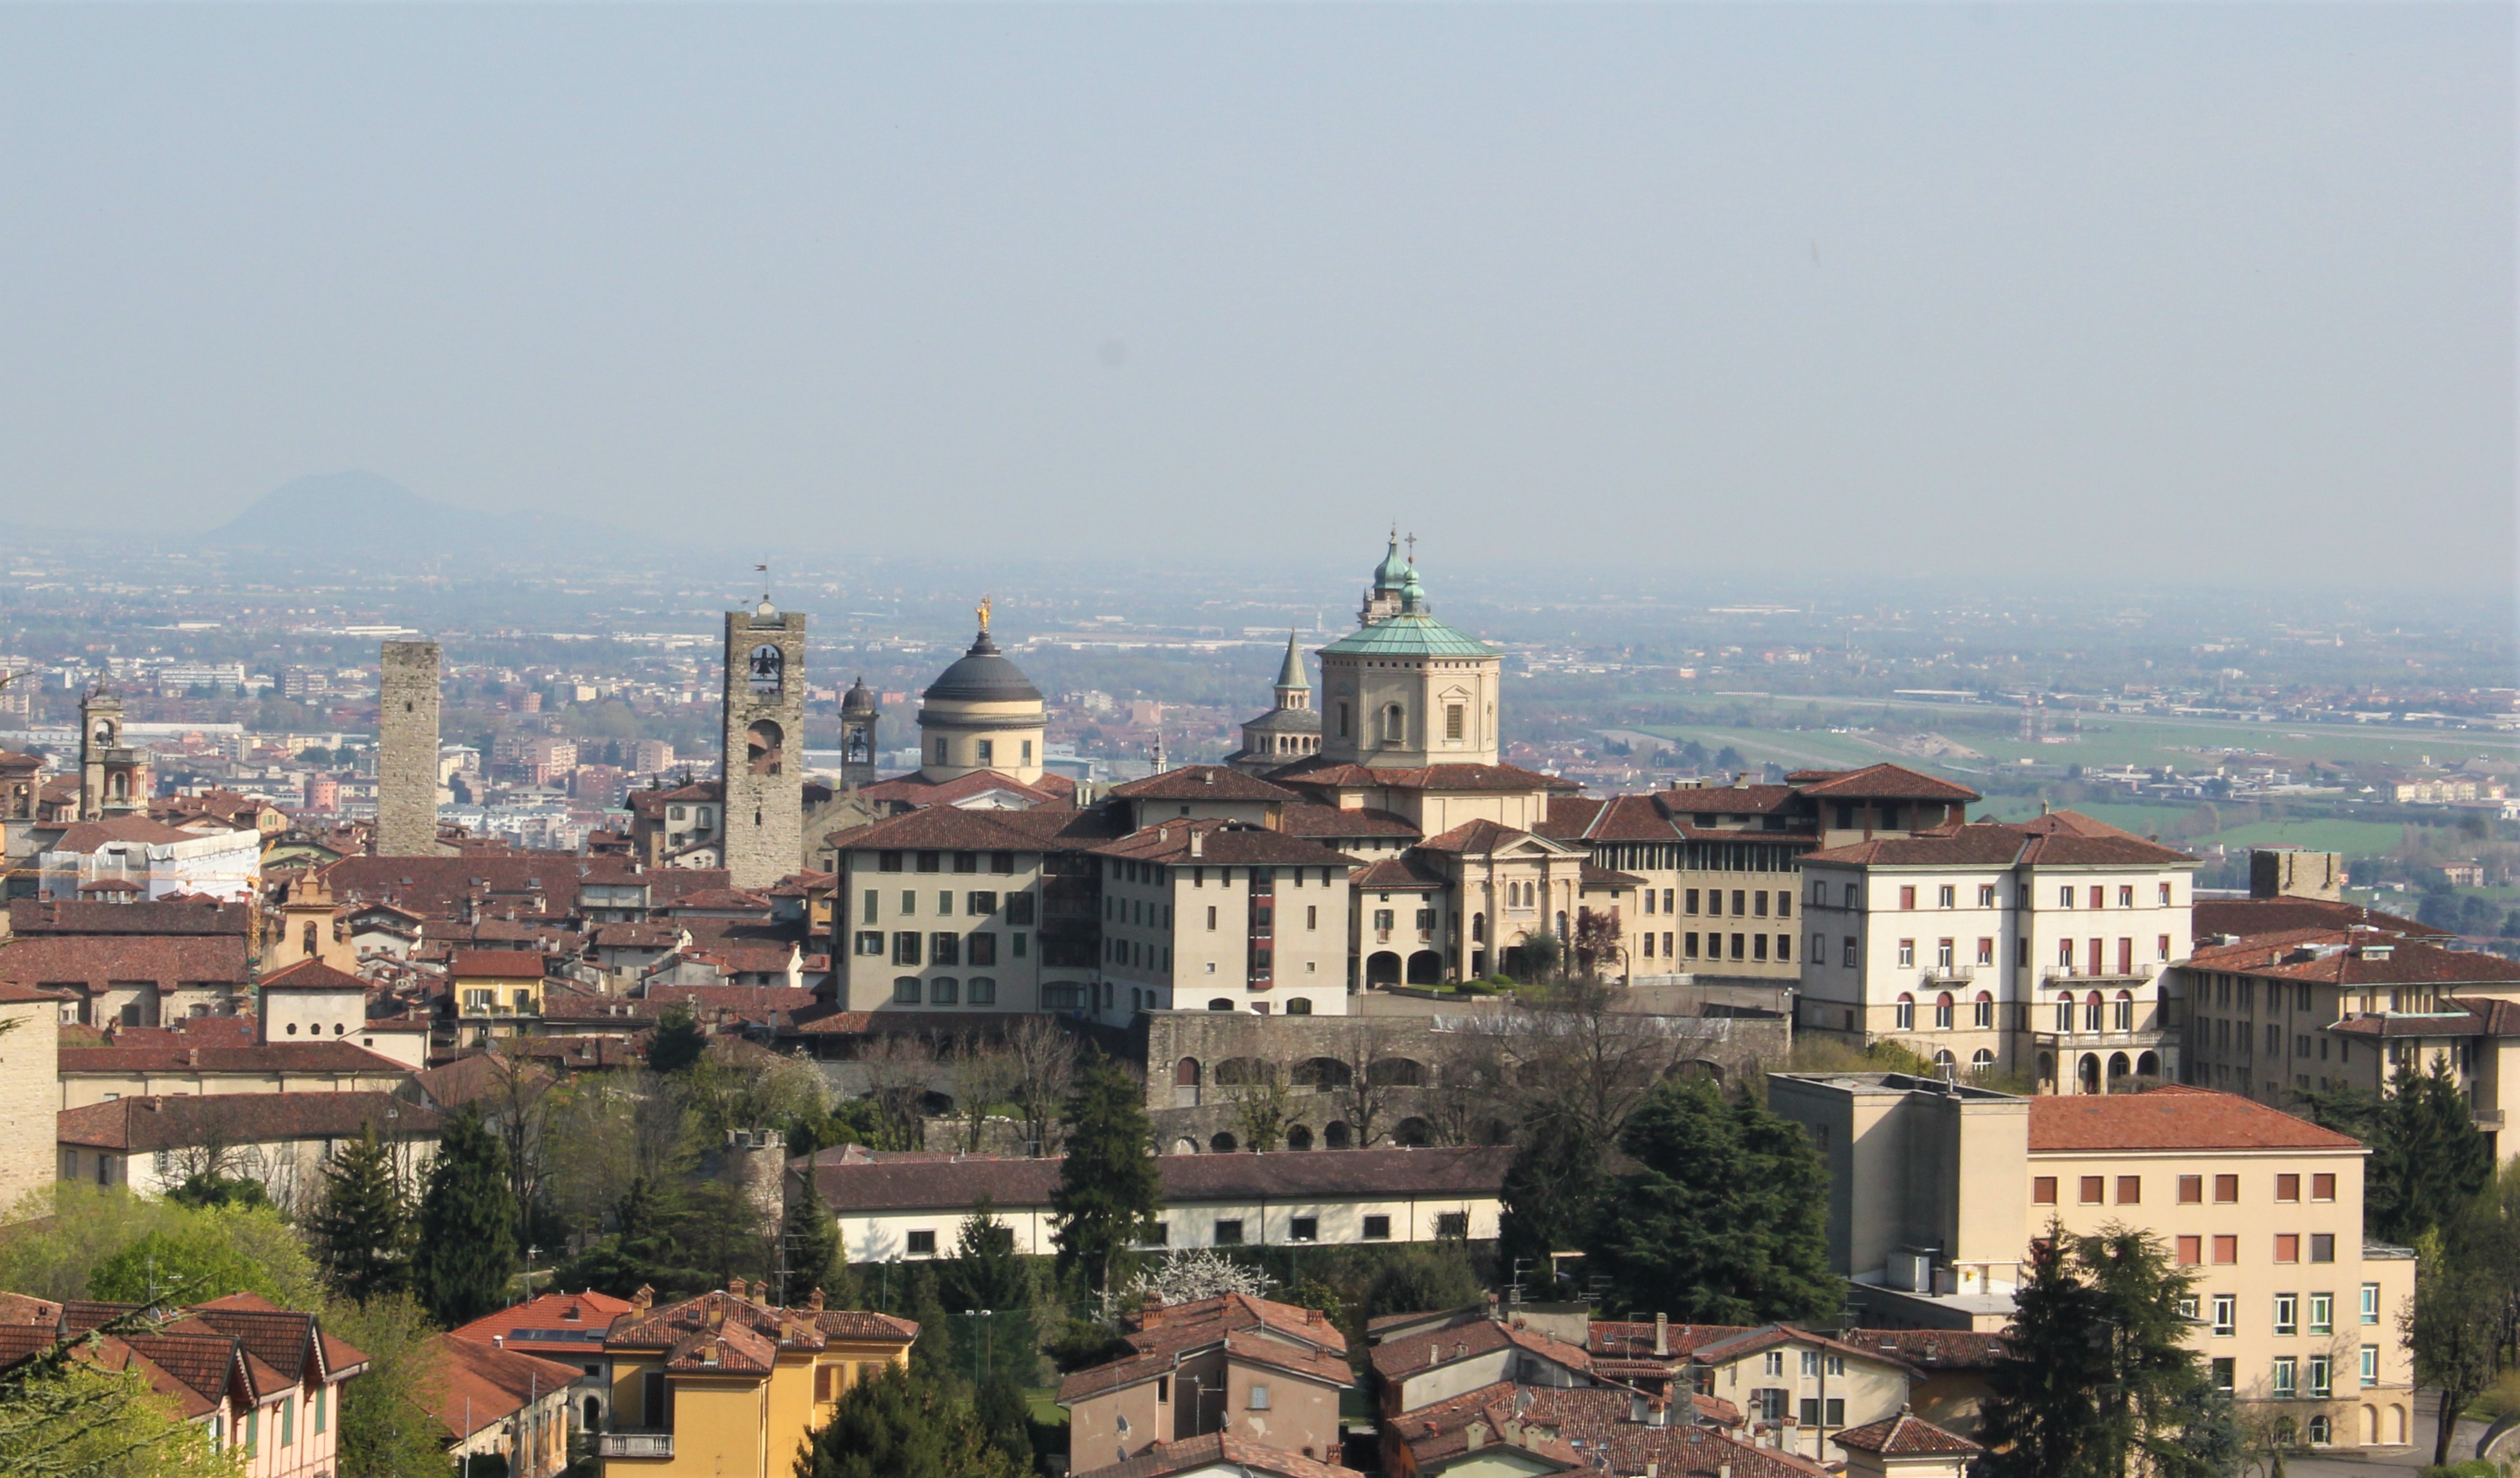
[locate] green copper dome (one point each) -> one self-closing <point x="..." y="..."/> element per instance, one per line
<point x="1407" y="636"/>
<point x="1393" y="570"/>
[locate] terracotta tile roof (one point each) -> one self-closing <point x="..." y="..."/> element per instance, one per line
<point x="1769" y="1336"/>
<point x="2268" y="916"/>
<point x="1318" y="773"/>
<point x="723" y="900"/>
<point x="951" y="829"/>
<point x="283" y="1338"/>
<point x="473" y="1077"/>
<point x="1313" y="818"/>
<point x="1929" y="1350"/>
<point x="573" y="1316"/>
<point x="1604" y="877"/>
<point x="1633" y="1339"/>
<point x="1905" y="1435"/>
<point x="442" y="887"/>
<point x="1883" y="781"/>
<point x="1401" y="1356"/>
<point x="915" y="790"/>
<point x="1407" y="872"/>
<point x="1219" y="1448"/>
<point x="481" y="1384"/>
<point x="312" y="975"/>
<point x="1722" y="800"/>
<point x="1474" y="839"/>
<point x="2175" y="1117"/>
<point x="1221" y="844"/>
<point x="332" y="1055"/>
<point x="1242" y="1310"/>
<point x="495" y="965"/>
<point x="35" y="916"/>
<point x="92" y="962"/>
<point x="88" y="835"/>
<point x="879" y="1185"/>
<point x="669" y="1326"/>
<point x="2348" y="960"/>
<point x="2061" y="839"/>
<point x="1162" y="1356"/>
<point x="1203" y="782"/>
<point x="26" y="1309"/>
<point x="720" y="1004"/>
<point x="183" y="1121"/>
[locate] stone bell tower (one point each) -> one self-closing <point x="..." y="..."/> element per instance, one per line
<point x="859" y="715"/>
<point x="407" y="708"/>
<point x="113" y="776"/>
<point x="765" y="744"/>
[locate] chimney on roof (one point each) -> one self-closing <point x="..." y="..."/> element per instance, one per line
<point x="1207" y="776"/>
<point x="1662" y="1335"/>
<point x="1197" y="843"/>
<point x="191" y="1057"/>
<point x="643" y="1300"/>
<point x="814" y="1300"/>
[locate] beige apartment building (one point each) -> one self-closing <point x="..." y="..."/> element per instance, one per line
<point x="1937" y="1191"/>
<point x="1221" y="916"/>
<point x="2036" y="948"/>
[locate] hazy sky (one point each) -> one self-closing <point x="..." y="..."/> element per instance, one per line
<point x="2196" y="292"/>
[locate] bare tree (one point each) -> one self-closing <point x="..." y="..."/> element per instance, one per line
<point x="1263" y="1106"/>
<point x="901" y="1070"/>
<point x="984" y="1076"/>
<point x="1598" y="947"/>
<point x="1584" y="1058"/>
<point x="519" y="1104"/>
<point x="1046" y="1058"/>
<point x="1377" y="1072"/>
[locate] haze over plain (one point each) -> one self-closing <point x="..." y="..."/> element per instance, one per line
<point x="2108" y="289"/>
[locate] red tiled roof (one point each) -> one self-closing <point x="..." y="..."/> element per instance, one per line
<point x="1407" y="872"/>
<point x="952" y="828"/>
<point x="88" y="835"/>
<point x="1317" y="772"/>
<point x="1906" y="1435"/>
<point x="2172" y="1117"/>
<point x="915" y="790"/>
<point x="1203" y="782"/>
<point x="2354" y="958"/>
<point x="90" y="961"/>
<point x="1217" y="1450"/>
<point x="1313" y="818"/>
<point x="331" y="1055"/>
<point x="312" y="975"/>
<point x="164" y="916"/>
<point x="1884" y="782"/>
<point x="1401" y="1356"/>
<point x="496" y="965"/>
<point x="2062" y="839"/>
<point x="183" y="1121"/>
<point x="2268" y="915"/>
<point x="479" y="1383"/>
<point x="589" y="1313"/>
<point x="1222" y="843"/>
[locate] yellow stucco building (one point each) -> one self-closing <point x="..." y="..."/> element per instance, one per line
<point x="726" y="1385"/>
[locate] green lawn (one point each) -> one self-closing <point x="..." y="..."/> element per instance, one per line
<point x="1043" y="1402"/>
<point x="2142" y="821"/>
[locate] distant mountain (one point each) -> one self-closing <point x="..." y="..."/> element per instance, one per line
<point x="367" y="514"/>
<point x="345" y="511"/>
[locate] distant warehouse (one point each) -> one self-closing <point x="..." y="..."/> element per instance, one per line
<point x="910" y="1205"/>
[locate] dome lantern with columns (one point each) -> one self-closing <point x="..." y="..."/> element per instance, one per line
<point x="982" y="714"/>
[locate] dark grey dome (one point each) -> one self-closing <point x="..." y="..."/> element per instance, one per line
<point x="983" y="676"/>
<point x="858" y="699"/>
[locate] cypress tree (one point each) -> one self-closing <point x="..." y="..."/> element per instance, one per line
<point x="1109" y="1187"/>
<point x="468" y="1220"/>
<point x="896" y="1426"/>
<point x="362" y="1231"/>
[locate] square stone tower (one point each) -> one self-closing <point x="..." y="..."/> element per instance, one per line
<point x="407" y="751"/>
<point x="765" y="744"/>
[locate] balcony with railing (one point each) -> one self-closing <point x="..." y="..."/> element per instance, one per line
<point x="634" y="1445"/>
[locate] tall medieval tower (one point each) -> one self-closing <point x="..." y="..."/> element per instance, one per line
<point x="407" y="751"/>
<point x="860" y="713"/>
<point x="113" y="776"/>
<point x="765" y="744"/>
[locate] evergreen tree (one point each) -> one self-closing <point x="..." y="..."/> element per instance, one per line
<point x="2096" y="1381"/>
<point x="1416" y="1279"/>
<point x="1005" y="1418"/>
<point x="985" y="1273"/>
<point x="1108" y="1187"/>
<point x="678" y="1041"/>
<point x="645" y="1250"/>
<point x="360" y="1231"/>
<point x="1552" y="1192"/>
<point x="899" y="1425"/>
<point x="809" y="1237"/>
<point x="935" y="1356"/>
<point x="2428" y="1158"/>
<point x="1720" y="1221"/>
<point x="208" y="1188"/>
<point x="468" y="1219"/>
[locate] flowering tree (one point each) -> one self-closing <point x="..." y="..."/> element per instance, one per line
<point x="1201" y="1273"/>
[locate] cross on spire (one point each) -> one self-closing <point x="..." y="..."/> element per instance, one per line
<point x="1413" y="549"/>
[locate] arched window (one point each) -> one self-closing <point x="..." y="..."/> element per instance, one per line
<point x="1299" y="1006"/>
<point x="2065" y="1012"/>
<point x="1221" y="1144"/>
<point x="1942" y="1011"/>
<point x="2092" y="1012"/>
<point x="943" y="991"/>
<point x="2319" y="1430"/>
<point x="1981" y="1063"/>
<point x="1220" y="1003"/>
<point x="1906" y="1019"/>
<point x="1395" y="724"/>
<point x="1299" y="1137"/>
<point x="1981" y="1014"/>
<point x="2124" y="1012"/>
<point x="1945" y="1064"/>
<point x="905" y="990"/>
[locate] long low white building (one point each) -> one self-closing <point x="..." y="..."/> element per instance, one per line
<point x="912" y="1205"/>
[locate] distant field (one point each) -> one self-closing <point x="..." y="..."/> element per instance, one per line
<point x="2354" y="838"/>
<point x="2142" y="821"/>
<point x="1792" y="750"/>
<point x="2110" y="740"/>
